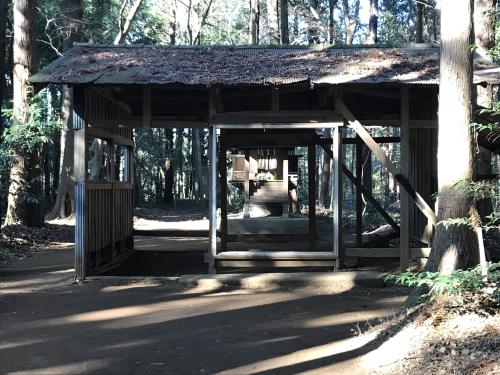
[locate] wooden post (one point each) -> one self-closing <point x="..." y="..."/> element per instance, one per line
<point x="285" y="187"/>
<point x="223" y="192"/>
<point x="337" y="196"/>
<point x="311" y="171"/>
<point x="146" y="107"/>
<point x="80" y="173"/>
<point x="246" y="208"/>
<point x="404" y="234"/>
<point x="212" y="196"/>
<point x="359" y="195"/>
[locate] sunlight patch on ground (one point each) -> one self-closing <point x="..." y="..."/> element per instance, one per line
<point x="136" y="316"/>
<point x="305" y="355"/>
<point x="83" y="367"/>
<point x="19" y="342"/>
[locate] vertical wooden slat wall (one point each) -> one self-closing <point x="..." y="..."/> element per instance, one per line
<point x="423" y="177"/>
<point x="109" y="204"/>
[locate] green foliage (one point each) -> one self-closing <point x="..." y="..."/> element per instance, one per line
<point x="39" y="128"/>
<point x="459" y="282"/>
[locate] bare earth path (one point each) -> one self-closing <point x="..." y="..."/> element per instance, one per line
<point x="147" y="326"/>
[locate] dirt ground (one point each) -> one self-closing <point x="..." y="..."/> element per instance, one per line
<point x="151" y="326"/>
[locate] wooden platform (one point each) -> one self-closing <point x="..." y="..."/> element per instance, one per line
<point x="275" y="259"/>
<point x="268" y="226"/>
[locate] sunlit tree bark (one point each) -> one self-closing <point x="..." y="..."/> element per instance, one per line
<point x="23" y="200"/>
<point x="454" y="245"/>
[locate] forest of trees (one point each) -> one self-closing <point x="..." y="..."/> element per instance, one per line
<point x="36" y="155"/>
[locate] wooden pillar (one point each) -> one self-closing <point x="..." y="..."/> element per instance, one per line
<point x="337" y="195"/>
<point x="405" y="165"/>
<point x="80" y="175"/>
<point x="212" y="197"/>
<point x="223" y="191"/>
<point x="246" y="208"/>
<point x="359" y="195"/>
<point x="311" y="171"/>
<point x="285" y="187"/>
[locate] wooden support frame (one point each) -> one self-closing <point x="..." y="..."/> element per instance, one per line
<point x="404" y="233"/>
<point x="337" y="196"/>
<point x="212" y="196"/>
<point x="311" y="172"/>
<point x="285" y="187"/>
<point x="80" y="175"/>
<point x="379" y="153"/>
<point x="359" y="194"/>
<point x="223" y="192"/>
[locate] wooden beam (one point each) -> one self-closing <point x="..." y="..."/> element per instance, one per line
<point x="114" y="138"/>
<point x="357" y="140"/>
<point x="311" y="172"/>
<point x="337" y="195"/>
<point x="146" y="107"/>
<point x="289" y="117"/>
<point x="156" y="122"/>
<point x="108" y="94"/>
<point x="223" y="193"/>
<point x="212" y="197"/>
<point x="390" y="252"/>
<point x="404" y="233"/>
<point x="379" y="153"/>
<point x="359" y="194"/>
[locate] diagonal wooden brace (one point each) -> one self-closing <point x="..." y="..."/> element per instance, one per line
<point x="384" y="159"/>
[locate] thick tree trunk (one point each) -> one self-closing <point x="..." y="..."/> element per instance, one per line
<point x="373" y="23"/>
<point x="23" y="200"/>
<point x="197" y="167"/>
<point x="313" y="31"/>
<point x="285" y="35"/>
<point x="168" y="195"/>
<point x="172" y="23"/>
<point x="65" y="200"/>
<point x="484" y="22"/>
<point x="351" y="19"/>
<point x="272" y="22"/>
<point x="324" y="193"/>
<point x="419" y="25"/>
<point x="331" y="21"/>
<point x="454" y="246"/>
<point x="253" y="37"/>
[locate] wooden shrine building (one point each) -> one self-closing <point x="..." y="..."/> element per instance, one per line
<point x="263" y="102"/>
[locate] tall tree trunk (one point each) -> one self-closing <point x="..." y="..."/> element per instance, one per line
<point x="331" y="20"/>
<point x="324" y="193"/>
<point x="64" y="205"/>
<point x="419" y="28"/>
<point x="373" y="22"/>
<point x="272" y="22"/>
<point x="351" y="19"/>
<point x="3" y="46"/>
<point x="484" y="22"/>
<point x="125" y="23"/>
<point x="454" y="246"/>
<point x="197" y="167"/>
<point x="484" y="35"/>
<point x="285" y="35"/>
<point x="24" y="190"/>
<point x="313" y="31"/>
<point x="253" y="37"/>
<point x="172" y="23"/>
<point x="168" y="195"/>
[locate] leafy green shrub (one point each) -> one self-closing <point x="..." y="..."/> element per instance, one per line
<point x="467" y="283"/>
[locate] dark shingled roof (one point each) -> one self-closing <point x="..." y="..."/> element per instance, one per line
<point x="207" y="66"/>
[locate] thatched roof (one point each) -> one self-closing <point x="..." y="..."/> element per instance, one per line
<point x="227" y="66"/>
